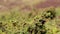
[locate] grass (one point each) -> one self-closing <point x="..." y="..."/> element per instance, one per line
<point x="19" y="22"/>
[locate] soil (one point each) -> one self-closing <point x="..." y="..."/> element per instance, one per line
<point x="48" y="3"/>
<point x="9" y="4"/>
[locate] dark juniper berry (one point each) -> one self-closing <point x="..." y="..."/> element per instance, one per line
<point x="42" y="21"/>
